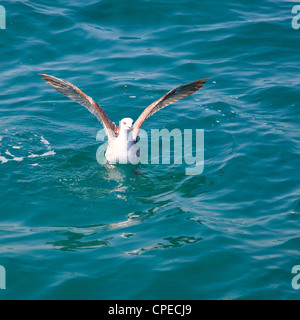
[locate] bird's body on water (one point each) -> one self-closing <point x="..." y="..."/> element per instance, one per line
<point x="122" y="139"/>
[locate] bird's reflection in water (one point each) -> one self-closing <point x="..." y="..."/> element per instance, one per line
<point x="167" y="243"/>
<point x="122" y="176"/>
<point x="115" y="181"/>
<point x="97" y="182"/>
<point x="75" y="238"/>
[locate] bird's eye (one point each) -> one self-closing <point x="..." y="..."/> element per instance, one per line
<point x="124" y="122"/>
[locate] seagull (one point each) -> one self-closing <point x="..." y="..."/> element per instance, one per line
<point x="120" y="148"/>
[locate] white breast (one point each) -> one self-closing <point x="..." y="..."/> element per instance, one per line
<point x="121" y="150"/>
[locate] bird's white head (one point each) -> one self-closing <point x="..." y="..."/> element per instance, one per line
<point x="126" y="124"/>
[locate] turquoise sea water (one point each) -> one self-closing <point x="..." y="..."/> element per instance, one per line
<point x="72" y="229"/>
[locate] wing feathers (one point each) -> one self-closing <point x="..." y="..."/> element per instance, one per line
<point x="172" y="96"/>
<point x="72" y="92"/>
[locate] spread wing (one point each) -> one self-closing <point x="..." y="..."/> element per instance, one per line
<point x="69" y="90"/>
<point x="172" y="96"/>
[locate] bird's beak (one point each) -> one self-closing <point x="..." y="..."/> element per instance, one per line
<point x="131" y="128"/>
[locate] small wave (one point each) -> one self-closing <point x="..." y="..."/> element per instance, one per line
<point x="49" y="153"/>
<point x="10" y="155"/>
<point x="44" y="141"/>
<point x="3" y="159"/>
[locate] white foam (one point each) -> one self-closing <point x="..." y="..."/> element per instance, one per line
<point x="9" y="154"/>
<point x="12" y="157"/>
<point x="49" y="153"/>
<point x="33" y="156"/>
<point x="3" y="159"/>
<point x="45" y="142"/>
